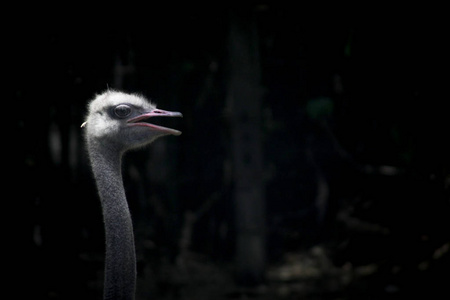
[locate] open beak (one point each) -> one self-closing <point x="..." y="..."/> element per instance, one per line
<point x="156" y="113"/>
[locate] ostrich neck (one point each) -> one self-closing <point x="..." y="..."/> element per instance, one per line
<point x="120" y="260"/>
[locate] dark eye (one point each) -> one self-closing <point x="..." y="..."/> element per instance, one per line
<point x="122" y="110"/>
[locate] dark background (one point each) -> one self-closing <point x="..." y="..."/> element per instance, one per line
<point x="352" y="123"/>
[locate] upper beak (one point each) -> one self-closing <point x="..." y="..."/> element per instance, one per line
<point x="156" y="113"/>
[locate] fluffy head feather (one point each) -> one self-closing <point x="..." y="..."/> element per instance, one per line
<point x="103" y="123"/>
<point x="99" y="122"/>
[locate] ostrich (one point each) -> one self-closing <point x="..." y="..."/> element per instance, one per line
<point x="113" y="126"/>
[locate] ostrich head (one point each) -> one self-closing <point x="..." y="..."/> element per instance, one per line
<point x="116" y="119"/>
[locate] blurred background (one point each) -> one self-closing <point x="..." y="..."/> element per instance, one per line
<point x="313" y="164"/>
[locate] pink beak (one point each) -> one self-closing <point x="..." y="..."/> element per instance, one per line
<point x="156" y="113"/>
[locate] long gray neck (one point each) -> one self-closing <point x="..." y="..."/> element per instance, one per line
<point x="120" y="260"/>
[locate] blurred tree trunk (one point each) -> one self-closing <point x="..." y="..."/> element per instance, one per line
<point x="244" y="105"/>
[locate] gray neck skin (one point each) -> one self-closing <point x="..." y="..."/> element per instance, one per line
<point x="120" y="260"/>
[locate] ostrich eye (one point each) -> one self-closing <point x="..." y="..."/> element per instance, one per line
<point x="122" y="110"/>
